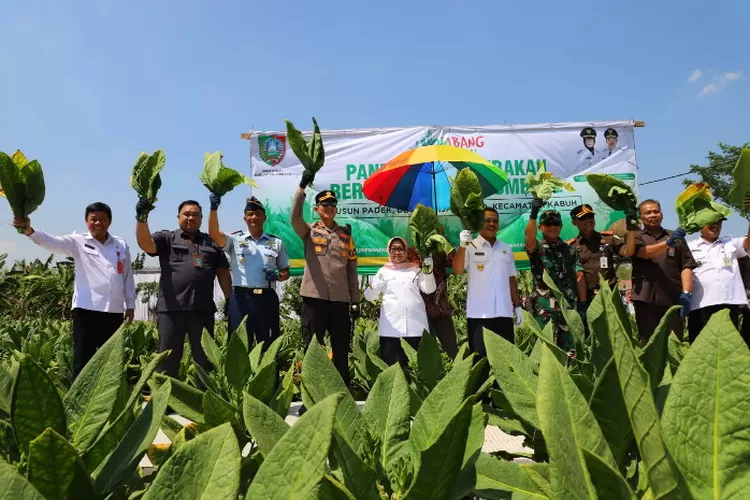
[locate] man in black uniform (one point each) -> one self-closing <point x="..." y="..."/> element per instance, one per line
<point x="598" y="249"/>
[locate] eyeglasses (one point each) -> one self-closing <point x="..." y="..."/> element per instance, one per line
<point x="397" y="250"/>
<point x="490" y="221"/>
<point x="327" y="204"/>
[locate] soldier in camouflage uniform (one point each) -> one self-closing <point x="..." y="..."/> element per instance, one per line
<point x="562" y="263"/>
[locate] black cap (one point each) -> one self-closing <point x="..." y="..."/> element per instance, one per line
<point x="254" y="204"/>
<point x="550" y="218"/>
<point x="581" y="211"/>
<point x="588" y="133"/>
<point x="326" y="196"/>
<point x="610" y="132"/>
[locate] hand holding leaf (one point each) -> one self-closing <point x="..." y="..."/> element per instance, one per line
<point x="220" y="179"/>
<point x="425" y="230"/>
<point x="310" y="153"/>
<point x="22" y="184"/>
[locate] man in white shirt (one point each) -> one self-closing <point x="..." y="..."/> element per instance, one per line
<point x="104" y="290"/>
<point x="717" y="281"/>
<point x="493" y="291"/>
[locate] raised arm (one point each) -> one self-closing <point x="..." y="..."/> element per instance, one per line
<point x="143" y="237"/>
<point x="298" y="222"/>
<point x="55" y="244"/>
<point x="213" y="225"/>
<point x="628" y="249"/>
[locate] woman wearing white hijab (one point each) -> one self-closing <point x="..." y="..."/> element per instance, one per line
<point x="403" y="313"/>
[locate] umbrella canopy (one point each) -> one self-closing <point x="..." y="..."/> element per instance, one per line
<point x="419" y="176"/>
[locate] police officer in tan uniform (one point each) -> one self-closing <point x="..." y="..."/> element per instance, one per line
<point x="598" y="249"/>
<point x="330" y="286"/>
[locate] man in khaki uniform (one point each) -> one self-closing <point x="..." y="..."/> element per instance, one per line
<point x="330" y="287"/>
<point x="597" y="249"/>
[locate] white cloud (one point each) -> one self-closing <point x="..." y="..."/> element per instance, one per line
<point x="711" y="88"/>
<point x="733" y="75"/>
<point x="695" y="76"/>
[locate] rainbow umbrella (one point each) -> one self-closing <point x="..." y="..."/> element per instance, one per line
<point x="421" y="176"/>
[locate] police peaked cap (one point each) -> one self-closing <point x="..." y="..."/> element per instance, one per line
<point x="325" y="196"/>
<point x="254" y="204"/>
<point x="610" y="132"/>
<point x="581" y="211"/>
<point x="588" y="132"/>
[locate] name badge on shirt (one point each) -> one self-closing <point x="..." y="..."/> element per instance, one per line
<point x="603" y="262"/>
<point x="480" y="259"/>
<point x="727" y="261"/>
<point x="670" y="252"/>
<point x="197" y="261"/>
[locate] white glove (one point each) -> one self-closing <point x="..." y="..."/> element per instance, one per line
<point x="465" y="238"/>
<point x="427" y="265"/>
<point x="518" y="316"/>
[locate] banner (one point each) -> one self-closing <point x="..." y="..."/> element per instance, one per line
<point x="353" y="155"/>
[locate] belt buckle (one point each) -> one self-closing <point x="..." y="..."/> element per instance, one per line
<point x="257" y="291"/>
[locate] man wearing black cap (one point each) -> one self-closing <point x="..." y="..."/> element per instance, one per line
<point x="597" y="250"/>
<point x="588" y="153"/>
<point x="330" y="285"/>
<point x="256" y="260"/>
<point x="562" y="263"/>
<point x="610" y="135"/>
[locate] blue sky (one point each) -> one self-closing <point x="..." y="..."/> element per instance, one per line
<point x="85" y="86"/>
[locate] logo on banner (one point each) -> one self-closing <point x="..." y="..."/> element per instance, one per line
<point x="272" y="148"/>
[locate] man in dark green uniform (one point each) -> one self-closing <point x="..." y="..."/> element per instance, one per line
<point x="597" y="249"/>
<point x="561" y="261"/>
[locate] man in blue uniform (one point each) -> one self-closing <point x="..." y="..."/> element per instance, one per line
<point x="256" y="260"/>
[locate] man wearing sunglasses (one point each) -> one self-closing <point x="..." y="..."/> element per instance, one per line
<point x="330" y="285"/>
<point x="562" y="263"/>
<point x="492" y="299"/>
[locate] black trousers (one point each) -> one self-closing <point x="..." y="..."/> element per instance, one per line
<point x="173" y="326"/>
<point x="648" y="316"/>
<point x="392" y="352"/>
<point x="745" y="332"/>
<point x="698" y="319"/>
<point x="263" y="321"/>
<point x="500" y="326"/>
<point x="91" y="329"/>
<point x="320" y="316"/>
<point x="444" y="330"/>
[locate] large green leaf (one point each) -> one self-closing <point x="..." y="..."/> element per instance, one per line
<point x="310" y="153"/>
<point x="320" y="379"/>
<point x="467" y="201"/>
<point x="33" y="178"/>
<point x="654" y="354"/>
<point x="90" y="400"/>
<point x="205" y="467"/>
<point x="429" y="361"/>
<point x="11" y="184"/>
<point x="123" y="461"/>
<point x="613" y="192"/>
<point x="56" y="470"/>
<point x="266" y="427"/>
<point x="424" y="226"/>
<point x="186" y="400"/>
<point x="515" y="374"/>
<point x="216" y="410"/>
<point x="112" y="434"/>
<point x="145" y="178"/>
<point x="14" y="485"/>
<point x="6" y="390"/>
<point x="282" y="399"/>
<point x="263" y="383"/>
<point x="387" y="410"/>
<point x="295" y="466"/>
<point x="35" y="405"/>
<point x="706" y="413"/>
<point x="213" y="353"/>
<point x="607" y="481"/>
<point x="220" y="179"/>
<point x="440" y="463"/>
<point x="238" y="368"/>
<point x="499" y="479"/>
<point x="440" y="406"/>
<point x="568" y="425"/>
<point x="664" y="478"/>
<point x="609" y="409"/>
<point x="474" y="441"/>
<point x="740" y="179"/>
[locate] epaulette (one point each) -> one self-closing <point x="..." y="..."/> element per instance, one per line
<point x="237" y="232"/>
<point x="607" y="233"/>
<point x="571" y="241"/>
<point x="272" y="236"/>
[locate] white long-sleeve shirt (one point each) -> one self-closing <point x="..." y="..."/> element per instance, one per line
<point x="103" y="274"/>
<point x="403" y="312"/>
<point x="717" y="279"/>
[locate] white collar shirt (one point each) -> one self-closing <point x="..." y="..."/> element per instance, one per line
<point x="489" y="269"/>
<point x="103" y="274"/>
<point x="402" y="313"/>
<point x="717" y="279"/>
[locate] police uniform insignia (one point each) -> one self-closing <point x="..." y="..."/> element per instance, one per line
<point x="236" y="232"/>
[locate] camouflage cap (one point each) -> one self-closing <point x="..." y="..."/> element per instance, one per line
<point x="550" y="218"/>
